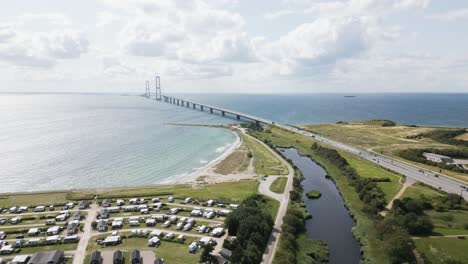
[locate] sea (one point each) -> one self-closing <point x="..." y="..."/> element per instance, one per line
<point x="78" y="141"/>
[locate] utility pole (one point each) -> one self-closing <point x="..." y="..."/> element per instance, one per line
<point x="158" y="88"/>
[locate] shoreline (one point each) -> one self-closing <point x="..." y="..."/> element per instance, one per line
<point x="184" y="179"/>
<point x="191" y="178"/>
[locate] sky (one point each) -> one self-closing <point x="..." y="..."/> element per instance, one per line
<point x="234" y="46"/>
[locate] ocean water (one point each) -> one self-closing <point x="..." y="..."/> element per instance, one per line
<point x="67" y="141"/>
<point x="59" y="141"/>
<point x="417" y="109"/>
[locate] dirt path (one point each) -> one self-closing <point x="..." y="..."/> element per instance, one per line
<point x="403" y="188"/>
<point x="80" y="252"/>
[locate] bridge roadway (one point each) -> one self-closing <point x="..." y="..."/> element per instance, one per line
<point x="436" y="180"/>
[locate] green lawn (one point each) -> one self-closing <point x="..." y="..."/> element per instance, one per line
<point x="64" y="247"/>
<point x="230" y="191"/>
<point x="279" y="184"/>
<point x="368" y="169"/>
<point x="439" y="250"/>
<point x="34" y="199"/>
<point x="445" y="221"/>
<point x="264" y="161"/>
<point x="171" y="252"/>
<point x="415" y="191"/>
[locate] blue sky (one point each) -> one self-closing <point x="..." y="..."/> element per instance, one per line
<point x="226" y="46"/>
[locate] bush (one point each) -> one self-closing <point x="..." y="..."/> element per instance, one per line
<point x="313" y="194"/>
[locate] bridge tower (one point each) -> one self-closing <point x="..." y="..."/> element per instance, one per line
<point x="158" y="88"/>
<point x="147" y="92"/>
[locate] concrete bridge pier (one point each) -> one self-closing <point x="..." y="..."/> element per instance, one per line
<point x="178" y="102"/>
<point x="238" y="117"/>
<point x="211" y="110"/>
<point x="223" y="113"/>
<point x="193" y="105"/>
<point x="182" y="103"/>
<point x="201" y="107"/>
<point x="188" y="104"/>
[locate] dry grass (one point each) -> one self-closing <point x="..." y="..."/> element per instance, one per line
<point x="236" y="162"/>
<point x="463" y="137"/>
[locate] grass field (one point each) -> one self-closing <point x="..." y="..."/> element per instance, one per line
<point x="279" y="184"/>
<point x="385" y="140"/>
<point x="171" y="252"/>
<point x="364" y="231"/>
<point x="238" y="161"/>
<point x="415" y="191"/>
<point x="34" y="199"/>
<point x="452" y="219"/>
<point x="265" y="162"/>
<point x="440" y="250"/>
<point x="368" y="169"/>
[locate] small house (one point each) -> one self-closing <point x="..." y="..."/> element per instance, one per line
<point x="104" y="213"/>
<point x="159" y="218"/>
<point x="39" y="208"/>
<point x="217" y="232"/>
<point x="120" y="202"/>
<point x="193" y="247"/>
<point x="196" y="213"/>
<point x="22" y="259"/>
<point x="225" y="253"/>
<point x="49" y="257"/>
<point x="52" y="239"/>
<point x="102" y="225"/>
<point x="112" y="240"/>
<point x="133" y="201"/>
<point x="72" y="228"/>
<point x="118" y="257"/>
<point x="117" y="223"/>
<point x="7" y="249"/>
<point x="71" y="239"/>
<point x="69" y="205"/>
<point x="50" y="222"/>
<point x="156" y="233"/>
<point x="206" y="240"/>
<point x="136" y="257"/>
<point x="34" y="231"/>
<point x="55" y="230"/>
<point x="170" y="236"/>
<point x="150" y="222"/>
<point x="78" y="216"/>
<point x="34" y="242"/>
<point x="61" y="217"/>
<point x="210" y="202"/>
<point x="22" y="209"/>
<point x="154" y="241"/>
<point x="82" y="205"/>
<point x="96" y="258"/>
<point x="106" y="203"/>
<point x="15" y="220"/>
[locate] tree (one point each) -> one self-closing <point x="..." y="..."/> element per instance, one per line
<point x="206" y="256"/>
<point x="399" y="247"/>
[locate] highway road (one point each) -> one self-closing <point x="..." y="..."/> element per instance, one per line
<point x="435" y="180"/>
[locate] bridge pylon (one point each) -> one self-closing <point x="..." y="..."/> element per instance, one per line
<point x="158" y="88"/>
<point x="147" y="92"/>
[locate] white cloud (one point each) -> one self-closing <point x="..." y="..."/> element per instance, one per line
<point x="452" y="15"/>
<point x="22" y="46"/>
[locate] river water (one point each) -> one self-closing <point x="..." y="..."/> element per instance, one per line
<point x="330" y="219"/>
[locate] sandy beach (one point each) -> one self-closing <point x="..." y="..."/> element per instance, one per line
<point x="207" y="174"/>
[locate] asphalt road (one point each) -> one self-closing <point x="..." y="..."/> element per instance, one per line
<point x="435" y="180"/>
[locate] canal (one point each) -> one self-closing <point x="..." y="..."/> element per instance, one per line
<point x="330" y="219"/>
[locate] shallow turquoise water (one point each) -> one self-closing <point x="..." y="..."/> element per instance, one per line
<point x="57" y="141"/>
